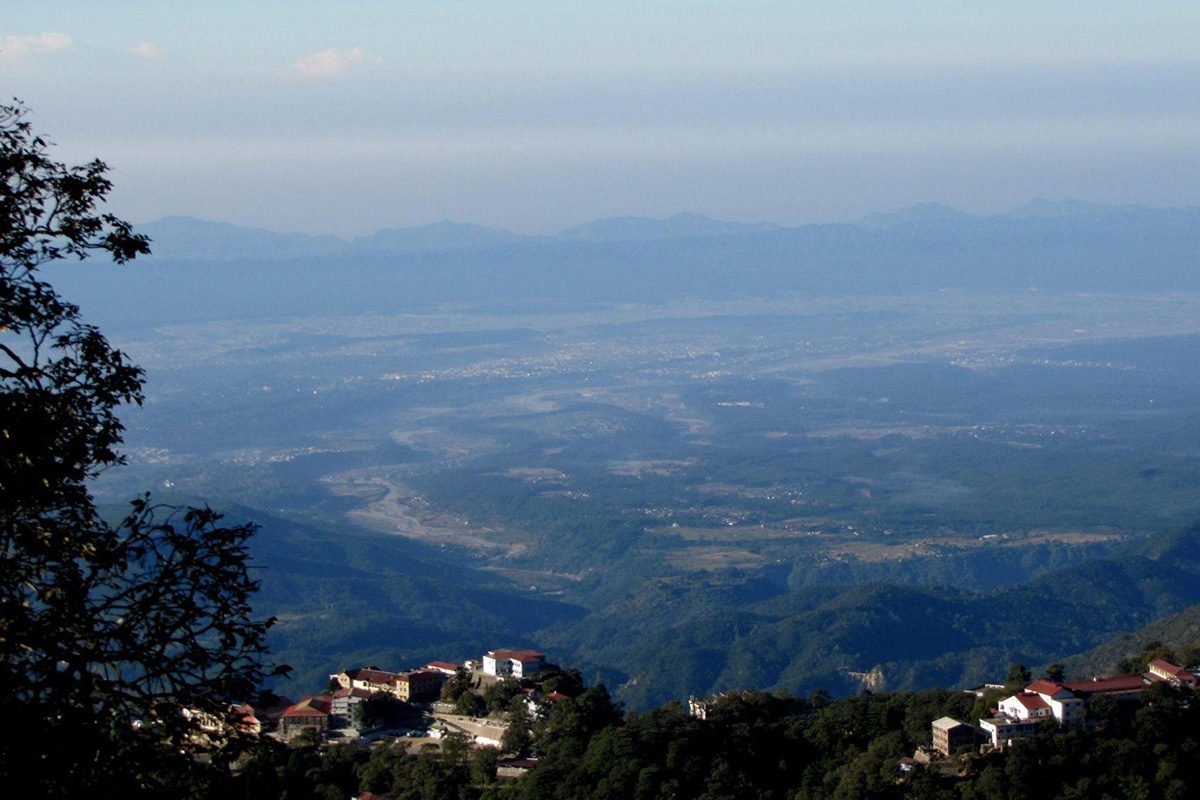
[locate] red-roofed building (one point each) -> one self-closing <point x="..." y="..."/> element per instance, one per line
<point x="1049" y="689"/>
<point x="260" y="717"/>
<point x="1120" y="688"/>
<point x="1053" y="701"/>
<point x="1026" y="706"/>
<point x="1169" y="673"/>
<point x="311" y="712"/>
<point x="248" y="720"/>
<point x="1016" y="716"/>
<point x="1062" y="702"/>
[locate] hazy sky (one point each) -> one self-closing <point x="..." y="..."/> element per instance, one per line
<point x="350" y="116"/>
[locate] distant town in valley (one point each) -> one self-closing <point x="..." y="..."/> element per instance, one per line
<point x="709" y="468"/>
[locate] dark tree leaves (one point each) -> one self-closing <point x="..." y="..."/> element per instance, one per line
<point x="122" y="646"/>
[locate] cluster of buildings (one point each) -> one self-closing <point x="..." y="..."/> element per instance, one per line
<point x="336" y="709"/>
<point x="411" y="686"/>
<point x="1017" y="716"/>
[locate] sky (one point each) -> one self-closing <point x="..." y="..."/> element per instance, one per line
<point x="533" y="116"/>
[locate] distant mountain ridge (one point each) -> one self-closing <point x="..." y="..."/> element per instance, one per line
<point x="199" y="239"/>
<point x="444" y="235"/>
<point x="196" y="239"/>
<point x="921" y="213"/>
<point x="679" y="226"/>
<point x="226" y="272"/>
<point x="190" y="238"/>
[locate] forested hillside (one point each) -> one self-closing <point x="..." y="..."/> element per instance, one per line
<point x="1178" y="634"/>
<point x="834" y="638"/>
<point x="350" y="599"/>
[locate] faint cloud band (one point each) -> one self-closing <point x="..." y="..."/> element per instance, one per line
<point x="149" y="51"/>
<point x="332" y="63"/>
<point x="22" y="49"/>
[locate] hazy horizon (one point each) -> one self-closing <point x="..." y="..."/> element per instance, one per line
<point x="533" y="117"/>
<point x="553" y="231"/>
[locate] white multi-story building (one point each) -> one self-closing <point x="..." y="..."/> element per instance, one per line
<point x="518" y="663"/>
<point x="1045" y="698"/>
<point x="1003" y="730"/>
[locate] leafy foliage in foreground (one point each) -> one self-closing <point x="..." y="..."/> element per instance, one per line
<point x="344" y="771"/>
<point x="121" y="647"/>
